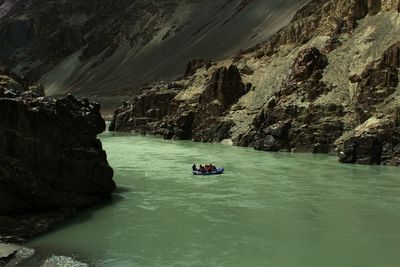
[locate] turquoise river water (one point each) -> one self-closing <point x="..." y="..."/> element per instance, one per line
<point x="268" y="209"/>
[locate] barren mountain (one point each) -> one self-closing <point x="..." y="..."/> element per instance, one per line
<point x="96" y="47"/>
<point x="326" y="83"/>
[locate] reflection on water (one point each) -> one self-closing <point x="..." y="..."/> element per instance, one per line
<point x="268" y="209"/>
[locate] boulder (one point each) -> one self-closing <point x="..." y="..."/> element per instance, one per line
<point x="51" y="162"/>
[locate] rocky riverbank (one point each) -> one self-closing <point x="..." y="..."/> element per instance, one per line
<point x="326" y="83"/>
<point x="51" y="162"/>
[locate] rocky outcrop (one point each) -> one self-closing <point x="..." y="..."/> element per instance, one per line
<point x="377" y="82"/>
<point x="51" y="162"/>
<point x="326" y="83"/>
<point x="377" y="141"/>
<point x="322" y="18"/>
<point x="305" y="75"/>
<point x="291" y="121"/>
<point x="196" y="64"/>
<point x="225" y="86"/>
<point x="160" y="111"/>
<point x="136" y="114"/>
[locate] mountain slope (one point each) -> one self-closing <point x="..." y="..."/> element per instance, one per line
<point x="5" y="7"/>
<point x="326" y="83"/>
<point x="93" y="47"/>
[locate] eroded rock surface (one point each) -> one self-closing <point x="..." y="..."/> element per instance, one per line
<point x="326" y="83"/>
<point x="291" y="120"/>
<point x="200" y="117"/>
<point x="51" y="162"/>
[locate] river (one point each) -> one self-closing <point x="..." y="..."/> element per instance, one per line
<point x="268" y="209"/>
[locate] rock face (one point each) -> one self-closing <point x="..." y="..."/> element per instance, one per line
<point x="196" y="64"/>
<point x="377" y="82"/>
<point x="161" y="111"/>
<point x="305" y="75"/>
<point x="377" y="141"/>
<point x="137" y="113"/>
<point x="326" y="83"/>
<point x="51" y="162"/>
<point x="291" y="120"/>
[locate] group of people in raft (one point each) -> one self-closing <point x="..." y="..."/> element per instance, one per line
<point x="203" y="169"/>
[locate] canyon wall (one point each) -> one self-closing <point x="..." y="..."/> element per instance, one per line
<point x="325" y="83"/>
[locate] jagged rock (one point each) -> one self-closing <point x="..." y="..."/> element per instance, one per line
<point x="280" y="129"/>
<point x="308" y="65"/>
<point x="322" y="18"/>
<point x="198" y="118"/>
<point x="196" y="64"/>
<point x="226" y="86"/>
<point x="138" y="112"/>
<point x="305" y="75"/>
<point x="310" y="107"/>
<point x="364" y="150"/>
<point x="51" y="162"/>
<point x="267" y="143"/>
<point x="378" y="81"/>
<point x="178" y="127"/>
<point x="377" y="141"/>
<point x="283" y="125"/>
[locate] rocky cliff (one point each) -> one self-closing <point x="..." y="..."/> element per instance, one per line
<point x="51" y="162"/>
<point x="325" y="83"/>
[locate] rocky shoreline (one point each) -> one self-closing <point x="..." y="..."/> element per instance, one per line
<point x="325" y="83"/>
<point x="51" y="162"/>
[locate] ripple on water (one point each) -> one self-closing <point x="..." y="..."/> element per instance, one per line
<point x="274" y="210"/>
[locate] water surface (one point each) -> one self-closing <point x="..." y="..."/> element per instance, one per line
<point x="268" y="209"/>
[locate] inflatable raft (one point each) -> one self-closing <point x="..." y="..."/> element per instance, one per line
<point x="216" y="172"/>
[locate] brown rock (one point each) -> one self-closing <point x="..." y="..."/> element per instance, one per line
<point x="226" y="86"/>
<point x="378" y="81"/>
<point x="305" y="75"/>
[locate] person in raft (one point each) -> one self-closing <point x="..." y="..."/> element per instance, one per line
<point x="202" y="169"/>
<point x="209" y="168"/>
<point x="194" y="167"/>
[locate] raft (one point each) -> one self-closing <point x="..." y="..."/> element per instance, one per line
<point x="216" y="172"/>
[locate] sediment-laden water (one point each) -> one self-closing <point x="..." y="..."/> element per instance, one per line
<point x="268" y="209"/>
